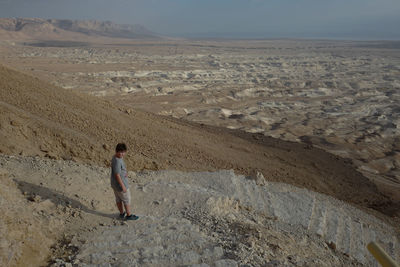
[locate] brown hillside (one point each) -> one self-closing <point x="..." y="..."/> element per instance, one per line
<point x="37" y="118"/>
<point x="54" y="29"/>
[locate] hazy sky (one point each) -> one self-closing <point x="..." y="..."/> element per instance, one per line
<point x="354" y="19"/>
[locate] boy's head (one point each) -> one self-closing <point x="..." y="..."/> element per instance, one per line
<point x="120" y="150"/>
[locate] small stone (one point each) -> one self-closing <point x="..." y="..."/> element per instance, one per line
<point x="43" y="149"/>
<point x="260" y="180"/>
<point x="259" y="235"/>
<point x="15" y="123"/>
<point x="34" y="198"/>
<point x="332" y="245"/>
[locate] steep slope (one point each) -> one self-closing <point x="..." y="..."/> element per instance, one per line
<point x="37" y="118"/>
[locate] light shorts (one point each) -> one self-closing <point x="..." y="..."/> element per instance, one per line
<point x="123" y="197"/>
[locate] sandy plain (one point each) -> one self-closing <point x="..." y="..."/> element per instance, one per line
<point x="341" y="96"/>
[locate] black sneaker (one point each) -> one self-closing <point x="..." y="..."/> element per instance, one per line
<point x="131" y="217"/>
<point x="121" y="216"/>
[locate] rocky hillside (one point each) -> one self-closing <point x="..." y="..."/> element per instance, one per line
<point x="37" y="118"/>
<point x="102" y="28"/>
<point x="37" y="28"/>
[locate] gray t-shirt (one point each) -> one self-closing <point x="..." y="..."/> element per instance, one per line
<point x="118" y="167"/>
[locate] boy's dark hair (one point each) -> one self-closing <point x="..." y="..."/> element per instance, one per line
<point x="121" y="147"/>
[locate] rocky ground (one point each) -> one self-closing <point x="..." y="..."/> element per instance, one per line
<point x="341" y="96"/>
<point x="206" y="218"/>
<point x="29" y="225"/>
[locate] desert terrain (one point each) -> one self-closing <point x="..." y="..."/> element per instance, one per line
<point x="254" y="146"/>
<point x="186" y="219"/>
<point x="339" y="96"/>
<point x="60" y="140"/>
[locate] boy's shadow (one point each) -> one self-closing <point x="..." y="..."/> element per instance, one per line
<point x="57" y="198"/>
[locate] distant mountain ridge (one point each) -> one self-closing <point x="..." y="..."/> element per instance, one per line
<point x="39" y="28"/>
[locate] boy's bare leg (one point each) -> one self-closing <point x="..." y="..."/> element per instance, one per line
<point x="121" y="209"/>
<point x="127" y="209"/>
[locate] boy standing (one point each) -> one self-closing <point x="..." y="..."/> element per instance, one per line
<point x="119" y="183"/>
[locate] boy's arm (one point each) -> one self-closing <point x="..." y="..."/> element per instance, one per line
<point x="119" y="180"/>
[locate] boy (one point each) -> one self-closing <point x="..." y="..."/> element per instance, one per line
<point x="119" y="183"/>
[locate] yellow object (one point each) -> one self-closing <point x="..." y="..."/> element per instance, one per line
<point x="381" y="256"/>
